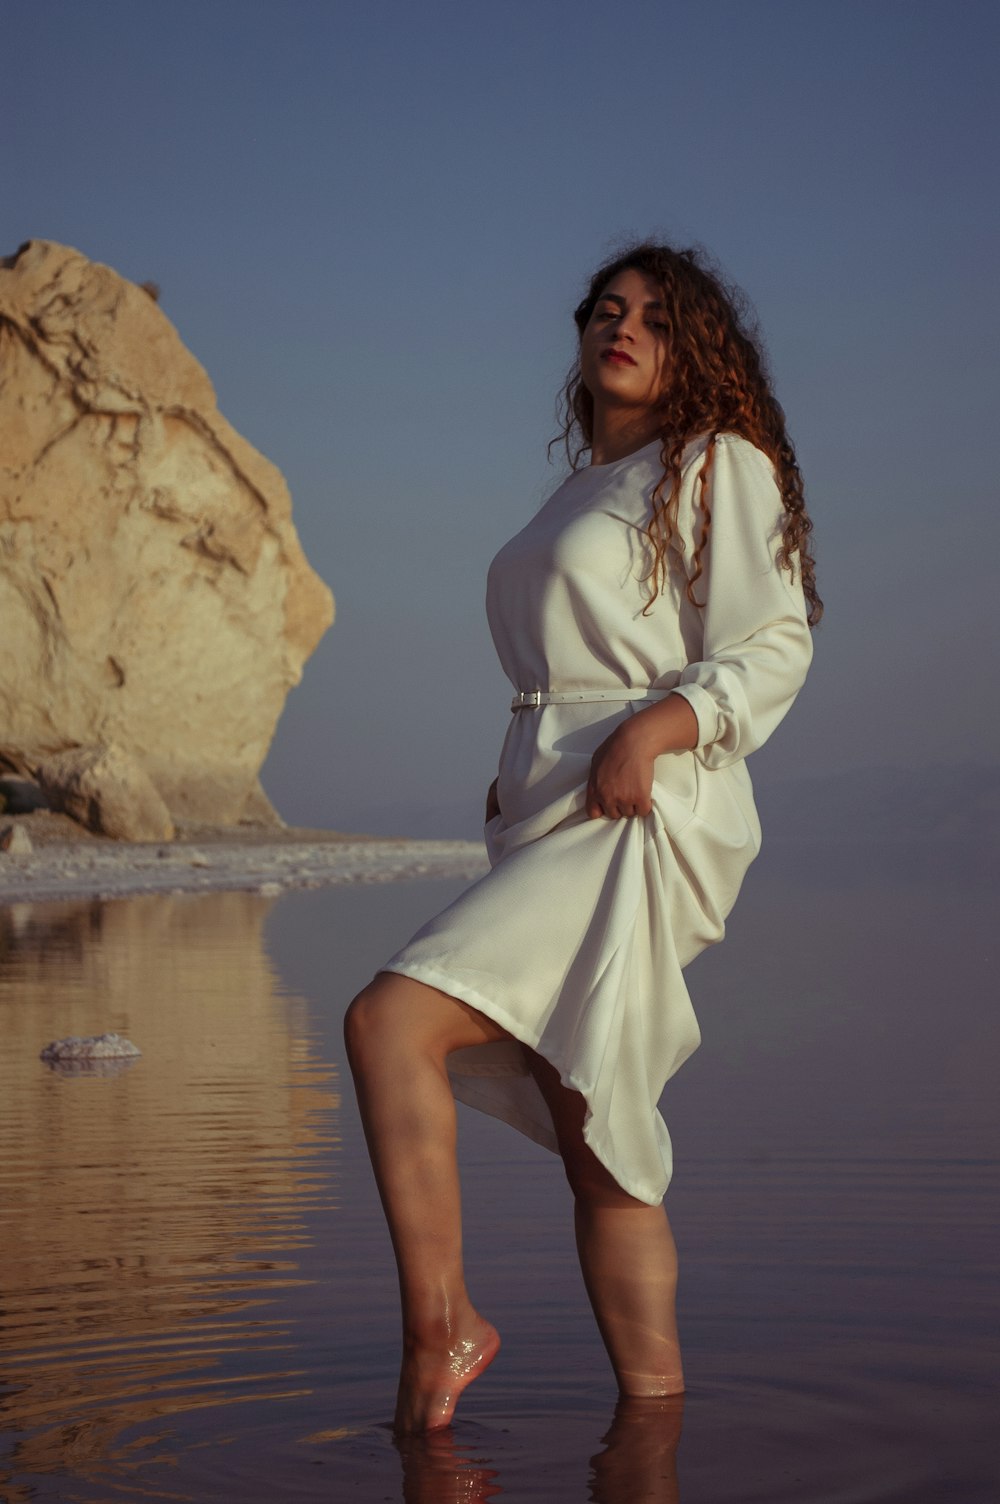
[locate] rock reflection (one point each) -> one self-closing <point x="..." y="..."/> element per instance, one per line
<point x="114" y="1067"/>
<point x="150" y="1219"/>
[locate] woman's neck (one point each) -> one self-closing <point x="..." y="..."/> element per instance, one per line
<point x="618" y="433"/>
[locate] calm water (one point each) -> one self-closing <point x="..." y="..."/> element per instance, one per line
<point x="198" y="1300"/>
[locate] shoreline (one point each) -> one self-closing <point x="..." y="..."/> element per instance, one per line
<point x="212" y="860"/>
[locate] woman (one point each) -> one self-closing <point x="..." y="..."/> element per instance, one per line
<point x="653" y="618"/>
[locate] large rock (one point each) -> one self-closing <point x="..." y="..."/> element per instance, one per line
<point x="153" y="592"/>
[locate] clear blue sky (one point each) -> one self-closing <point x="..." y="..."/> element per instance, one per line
<point x="371" y="223"/>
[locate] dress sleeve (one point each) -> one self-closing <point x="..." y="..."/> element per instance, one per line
<point x="757" y="645"/>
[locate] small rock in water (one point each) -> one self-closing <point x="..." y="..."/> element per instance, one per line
<point x="94" y="1047"/>
<point x="15" y="840"/>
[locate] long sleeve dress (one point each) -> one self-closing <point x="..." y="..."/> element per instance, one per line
<point x="575" y="940"/>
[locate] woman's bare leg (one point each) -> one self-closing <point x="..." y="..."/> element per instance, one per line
<point x="399" y="1034"/>
<point x="627" y="1255"/>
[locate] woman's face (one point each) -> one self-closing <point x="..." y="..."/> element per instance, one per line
<point x="623" y="353"/>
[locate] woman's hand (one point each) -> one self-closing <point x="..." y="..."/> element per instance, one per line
<point x="621" y="770"/>
<point x="621" y="778"/>
<point x="492" y="803"/>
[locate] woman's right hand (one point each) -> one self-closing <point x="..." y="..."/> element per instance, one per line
<point x="492" y="803"/>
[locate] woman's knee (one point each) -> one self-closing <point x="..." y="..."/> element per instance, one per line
<point x="396" y="1014"/>
<point x="366" y="1023"/>
<point x="592" y="1185"/>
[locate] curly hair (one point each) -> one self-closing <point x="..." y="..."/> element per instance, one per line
<point x="717" y="382"/>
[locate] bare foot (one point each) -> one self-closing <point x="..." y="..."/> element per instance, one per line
<point x="433" y="1377"/>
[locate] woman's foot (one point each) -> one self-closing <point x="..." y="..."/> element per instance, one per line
<point x="434" y="1373"/>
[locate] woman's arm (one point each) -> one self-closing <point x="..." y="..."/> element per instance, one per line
<point x="621" y="770"/>
<point x="756" y="641"/>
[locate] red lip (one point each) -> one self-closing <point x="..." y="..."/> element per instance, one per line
<point x="619" y="356"/>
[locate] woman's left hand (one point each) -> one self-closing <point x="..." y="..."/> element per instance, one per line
<point x="621" y="770"/>
<point x="621" y="778"/>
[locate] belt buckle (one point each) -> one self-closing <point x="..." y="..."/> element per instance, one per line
<point x="529" y="699"/>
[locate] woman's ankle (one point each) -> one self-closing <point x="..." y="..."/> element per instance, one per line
<point x="438" y="1323"/>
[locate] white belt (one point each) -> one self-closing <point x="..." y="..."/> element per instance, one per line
<point x="531" y="699"/>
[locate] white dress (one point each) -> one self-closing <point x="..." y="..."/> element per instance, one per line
<point x="575" y="940"/>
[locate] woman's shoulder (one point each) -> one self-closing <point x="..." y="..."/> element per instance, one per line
<point x="735" y="447"/>
<point x="741" y="482"/>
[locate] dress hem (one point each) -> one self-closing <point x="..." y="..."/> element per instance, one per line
<point x="446" y="984"/>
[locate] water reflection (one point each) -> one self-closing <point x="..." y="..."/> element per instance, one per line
<point x="637" y="1463"/>
<point x="188" y="1311"/>
<point x="440" y="1469"/>
<point x="150" y="1219"/>
<point x="639" y="1460"/>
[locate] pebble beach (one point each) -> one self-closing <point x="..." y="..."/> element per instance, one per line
<point x="65" y="863"/>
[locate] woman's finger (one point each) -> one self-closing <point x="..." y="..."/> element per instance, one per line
<point x="594" y="805"/>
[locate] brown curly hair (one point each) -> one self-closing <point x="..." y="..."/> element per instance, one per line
<point x="717" y="382"/>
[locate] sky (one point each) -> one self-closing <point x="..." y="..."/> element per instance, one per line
<point x="371" y="222"/>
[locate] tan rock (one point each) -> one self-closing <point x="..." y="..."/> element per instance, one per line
<point x="93" y="1047"/>
<point x="15" y="841"/>
<point x="108" y="792"/>
<point x="153" y="592"/>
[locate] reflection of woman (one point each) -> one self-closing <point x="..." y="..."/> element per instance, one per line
<point x="652" y="618"/>
<point x="637" y="1461"/>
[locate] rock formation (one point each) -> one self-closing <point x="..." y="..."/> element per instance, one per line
<point x="154" y="597"/>
<point x="106" y="790"/>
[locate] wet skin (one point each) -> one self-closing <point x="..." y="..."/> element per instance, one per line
<point x="399" y="1034"/>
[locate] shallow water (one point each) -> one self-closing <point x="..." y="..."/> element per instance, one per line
<point x="198" y="1300"/>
